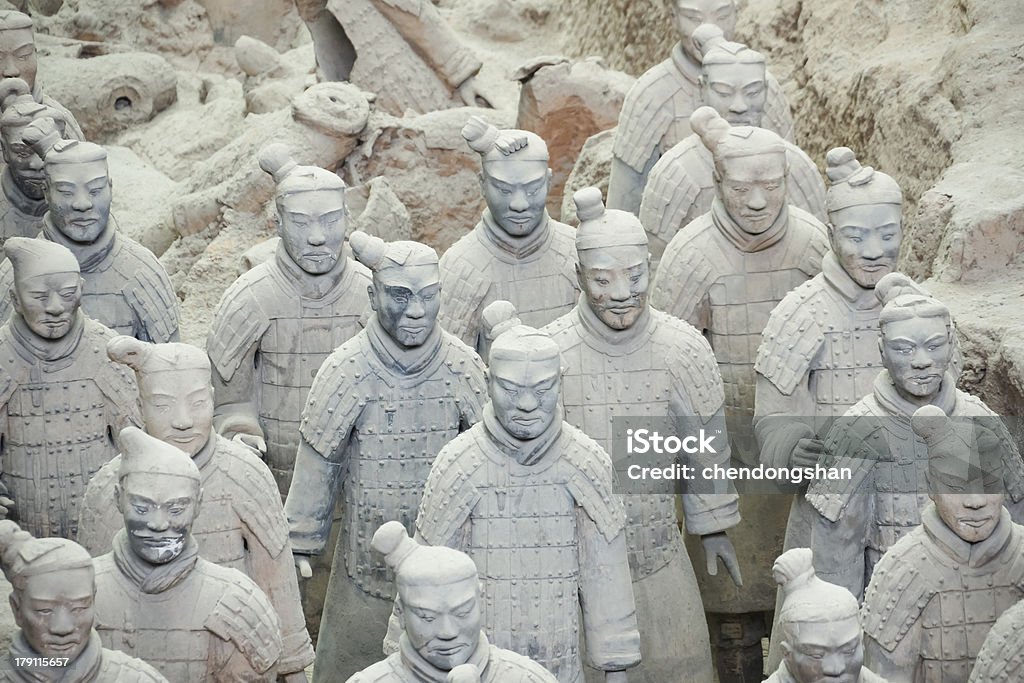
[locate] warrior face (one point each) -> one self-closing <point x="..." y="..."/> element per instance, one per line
<point x="18" y="55"/>
<point x="971" y="516"/>
<point x="516" y="191"/>
<point x="916" y="351"/>
<point x="829" y="652"/>
<point x="687" y="15"/>
<point x="406" y="300"/>
<point x="442" y="621"/>
<point x="55" y="611"/>
<point x="177" y="406"/>
<point x="158" y="511"/>
<point x="79" y="196"/>
<point x="866" y="241"/>
<point x="524" y="393"/>
<point x="738" y="92"/>
<point x="753" y="189"/>
<point x="48" y="302"/>
<point x="615" y="281"/>
<point x="26" y="166"/>
<point x="312" y="228"/>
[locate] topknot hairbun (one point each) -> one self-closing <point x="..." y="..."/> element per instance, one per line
<point x="276" y="159"/>
<point x="707" y="36"/>
<point x="589" y="203"/>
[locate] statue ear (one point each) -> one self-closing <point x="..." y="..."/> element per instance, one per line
<point x="371" y="292"/>
<point x="579" y="275"/>
<point x="15" y="603"/>
<point x="117" y="497"/>
<point x="399" y="612"/>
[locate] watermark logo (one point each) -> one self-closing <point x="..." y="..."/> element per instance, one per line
<point x="650" y="441"/>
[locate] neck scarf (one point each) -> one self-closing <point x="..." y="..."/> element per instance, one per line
<point x="34" y="347"/>
<point x="973" y="554"/>
<point x="745" y="241"/>
<point x="19" y="200"/>
<point x="428" y="673"/>
<point x="154" y="578"/>
<point x="616" y="342"/>
<point x="890" y="399"/>
<point x="84" y="669"/>
<point x="517" y="248"/>
<point x="91" y="255"/>
<point x="862" y="298"/>
<point x="308" y="285"/>
<point x="407" y="360"/>
<point x="525" y="452"/>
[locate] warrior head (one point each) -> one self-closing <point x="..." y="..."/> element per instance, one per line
<point x="734" y="78"/>
<point x="47" y="287"/>
<point x="174" y="385"/>
<point x="19" y="111"/>
<point x="687" y="15"/>
<point x="514" y="176"/>
<point x="750" y="169"/>
<point x="17" y="47"/>
<point x="864" y="213"/>
<point x="438" y="596"/>
<point x="158" y="493"/>
<point x="965" y="472"/>
<point x="614" y="261"/>
<point x="916" y="339"/>
<point x="525" y="374"/>
<point x="53" y="589"/>
<point x="406" y="289"/>
<point x="822" y="637"/>
<point x="78" y="186"/>
<point x="311" y="215"/>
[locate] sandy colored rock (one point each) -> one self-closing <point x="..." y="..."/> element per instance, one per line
<point x="272" y="79"/>
<point x="271" y="21"/>
<point x="140" y="199"/>
<point x="592" y="168"/>
<point x="565" y="102"/>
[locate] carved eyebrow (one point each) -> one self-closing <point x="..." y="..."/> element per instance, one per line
<point x="938" y="336"/>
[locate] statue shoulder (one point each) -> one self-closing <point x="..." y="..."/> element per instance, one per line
<point x="240" y="319"/>
<point x="334" y="398"/>
<point x="243" y="615"/>
<point x="254" y="495"/>
<point x="451" y="488"/>
<point x="792" y="338"/>
<point x="123" y="668"/>
<point x="591" y="480"/>
<point x="691" y="362"/>
<point x="646" y="114"/>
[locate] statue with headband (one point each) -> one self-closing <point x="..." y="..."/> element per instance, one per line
<point x="440" y="609"/>
<point x="243" y="524"/>
<point x="157" y="598"/>
<point x="681" y="186"/>
<point x="278" y="322"/>
<point x="529" y="497"/>
<point x="655" y="114"/>
<point x="61" y="398"/>
<point x="623" y="359"/>
<point x="125" y="287"/>
<point x="861" y="517"/>
<point x="402" y="50"/>
<point x="724" y="273"/>
<point x="19" y="58"/>
<point x="517" y="252"/>
<point x="938" y="590"/>
<point x="819" y="624"/>
<point x="53" y="601"/>
<point x="380" y="409"/>
<point x="23" y="200"/>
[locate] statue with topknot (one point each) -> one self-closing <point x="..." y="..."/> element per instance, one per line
<point x="277" y="323"/>
<point x="53" y="600"/>
<point x="23" y="200"/>
<point x="439" y="606"/>
<point x="861" y="517"/>
<point x="61" y="398"/>
<point x="529" y="497"/>
<point x="655" y="114"/>
<point x="724" y="273"/>
<point x="821" y="637"/>
<point x="125" y="287"/>
<point x="381" y="407"/>
<point x="517" y="252"/>
<point x="936" y="593"/>
<point x="622" y="358"/>
<point x="158" y="599"/>
<point x="681" y="186"/>
<point x="243" y="524"/>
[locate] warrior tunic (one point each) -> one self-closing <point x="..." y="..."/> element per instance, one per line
<point x="95" y="664"/>
<point x="1001" y="659"/>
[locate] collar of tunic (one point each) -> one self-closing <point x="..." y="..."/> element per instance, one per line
<point x="428" y="673"/>
<point x="525" y="452"/>
<point x="614" y="342"/>
<point x="154" y="578"/>
<point x="91" y="255"/>
<point x="973" y="554"/>
<point x="891" y="401"/>
<point x="310" y="286"/>
<point x="859" y="297"/>
<point x="33" y="348"/>
<point x="743" y="240"/>
<point x="509" y="248"/>
<point x="85" y="668"/>
<point x="686" y="67"/>
<point x="400" y="359"/>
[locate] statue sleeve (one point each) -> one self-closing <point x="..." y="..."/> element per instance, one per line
<point x="606" y="598"/>
<point x="311" y="498"/>
<point x="626" y="186"/>
<point x="709" y="505"/>
<point x="899" y="665"/>
<point x="432" y="38"/>
<point x="780" y="421"/>
<point x="235" y="411"/>
<point x="840" y="547"/>
<point x="229" y="665"/>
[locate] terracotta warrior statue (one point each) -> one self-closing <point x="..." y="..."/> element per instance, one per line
<point x="243" y="524"/>
<point x="862" y="516"/>
<point x="935" y="594"/>
<point x="23" y="200"/>
<point x="379" y="411"/>
<point x="402" y="50"/>
<point x="529" y="497"/>
<point x="821" y="634"/>
<point x="439" y="606"/>
<point x="517" y="252"/>
<point x="655" y="114"/>
<point x="52" y="598"/>
<point x="1001" y="658"/>
<point x="671" y="371"/>
<point x="278" y="322"/>
<point x="18" y="60"/>
<point x="157" y="599"/>
<point x="60" y="397"/>
<point x="125" y="287"/>
<point x="724" y="273"/>
<point x="681" y="186"/>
